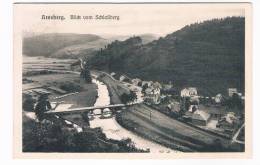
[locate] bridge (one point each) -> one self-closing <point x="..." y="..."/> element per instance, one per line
<point x="80" y="110"/>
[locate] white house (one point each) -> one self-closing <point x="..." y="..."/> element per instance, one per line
<point x="112" y="74"/>
<point x="153" y="95"/>
<point x="189" y="92"/>
<point x="232" y="91"/>
<point x="218" y="98"/>
<point x="122" y="78"/>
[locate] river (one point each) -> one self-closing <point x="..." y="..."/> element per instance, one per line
<point x="114" y="131"/>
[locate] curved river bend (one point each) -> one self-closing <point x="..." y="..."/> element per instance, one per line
<point x="114" y="131"/>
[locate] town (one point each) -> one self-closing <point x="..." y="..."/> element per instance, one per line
<point x="220" y="114"/>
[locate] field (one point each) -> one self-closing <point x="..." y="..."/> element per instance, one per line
<point x="87" y="92"/>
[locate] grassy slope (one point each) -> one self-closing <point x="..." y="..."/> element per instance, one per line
<point x="62" y="45"/>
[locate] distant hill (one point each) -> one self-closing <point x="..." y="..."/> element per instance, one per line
<point x="69" y="45"/>
<point x="62" y="45"/>
<point x="146" y="38"/>
<point x="207" y="55"/>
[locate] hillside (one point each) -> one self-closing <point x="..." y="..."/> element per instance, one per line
<point x="146" y="38"/>
<point x="207" y="55"/>
<point x="62" y="45"/>
<point x="69" y="45"/>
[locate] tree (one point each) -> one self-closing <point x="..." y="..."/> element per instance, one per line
<point x="50" y="137"/>
<point x="187" y="103"/>
<point x="28" y="103"/>
<point x="132" y="96"/>
<point x="85" y="74"/>
<point x="126" y="98"/>
<point x="235" y="102"/>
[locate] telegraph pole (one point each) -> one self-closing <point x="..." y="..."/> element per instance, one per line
<point x="150" y="114"/>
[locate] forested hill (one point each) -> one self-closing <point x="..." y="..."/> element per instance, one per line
<point x="208" y="55"/>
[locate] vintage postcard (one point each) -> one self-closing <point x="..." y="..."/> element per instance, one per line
<point x="109" y="80"/>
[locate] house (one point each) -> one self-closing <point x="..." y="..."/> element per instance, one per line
<point x="122" y="78"/>
<point x="156" y="85"/>
<point x="193" y="108"/>
<point x="232" y="91"/>
<point x="149" y="83"/>
<point x="227" y="123"/>
<point x="197" y="117"/>
<point x="189" y="92"/>
<point x="218" y="98"/>
<point x="112" y="74"/>
<point x="200" y="118"/>
<point x="216" y="112"/>
<point x="167" y="86"/>
<point x="152" y="95"/>
<point x="137" y="82"/>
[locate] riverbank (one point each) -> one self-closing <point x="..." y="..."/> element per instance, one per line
<point x="60" y="84"/>
<point x="114" y="88"/>
<point x="47" y="137"/>
<point x="53" y="137"/>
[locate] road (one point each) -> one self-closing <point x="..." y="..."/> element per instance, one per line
<point x="165" y="130"/>
<point x="234" y="139"/>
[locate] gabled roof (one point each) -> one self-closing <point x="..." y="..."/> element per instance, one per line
<point x="200" y="115"/>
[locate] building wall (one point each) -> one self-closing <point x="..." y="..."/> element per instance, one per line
<point x="199" y="122"/>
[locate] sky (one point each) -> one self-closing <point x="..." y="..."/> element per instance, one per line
<point x="159" y="19"/>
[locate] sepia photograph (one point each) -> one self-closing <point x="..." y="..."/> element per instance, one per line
<point x="158" y="80"/>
